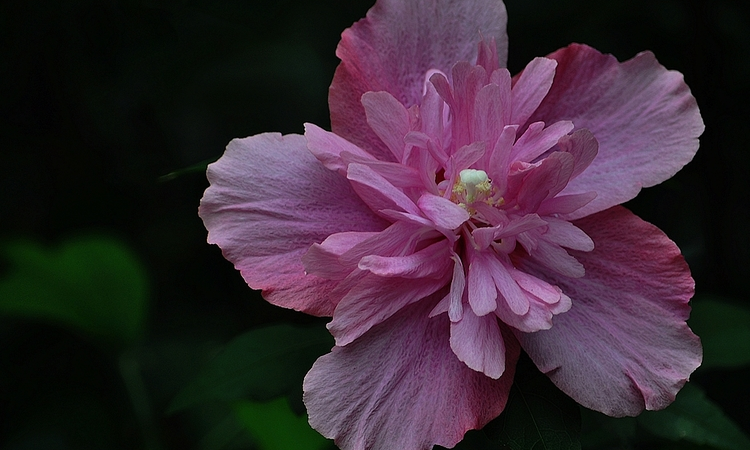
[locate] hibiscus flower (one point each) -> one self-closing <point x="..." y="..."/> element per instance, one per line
<point x="456" y="215"/>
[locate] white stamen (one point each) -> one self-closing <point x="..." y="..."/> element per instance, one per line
<point x="474" y="180"/>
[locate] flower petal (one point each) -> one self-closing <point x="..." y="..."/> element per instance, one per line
<point x="393" y="48"/>
<point x="478" y="343"/>
<point x="531" y="87"/>
<point x="373" y="299"/>
<point x="624" y="344"/>
<point x="328" y="148"/>
<point x="442" y="212"/>
<point x="431" y="261"/>
<point x="268" y="202"/>
<point x="378" y="192"/>
<point x="388" y="118"/>
<point x="644" y="117"/>
<point x="360" y="394"/>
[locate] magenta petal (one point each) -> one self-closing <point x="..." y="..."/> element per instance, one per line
<point x="644" y="117"/>
<point x="400" y="386"/>
<point x="268" y="202"/>
<point x="393" y="48"/>
<point x="624" y="345"/>
<point x="478" y="343"/>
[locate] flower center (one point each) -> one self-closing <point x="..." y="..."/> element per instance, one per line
<point x="473" y="184"/>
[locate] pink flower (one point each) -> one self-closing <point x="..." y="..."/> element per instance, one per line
<point x="456" y="215"/>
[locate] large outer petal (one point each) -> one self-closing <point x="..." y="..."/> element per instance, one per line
<point x="624" y="344"/>
<point x="644" y="117"/>
<point x="393" y="48"/>
<point x="270" y="199"/>
<point x="400" y="386"/>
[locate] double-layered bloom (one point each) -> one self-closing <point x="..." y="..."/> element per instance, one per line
<point x="457" y="214"/>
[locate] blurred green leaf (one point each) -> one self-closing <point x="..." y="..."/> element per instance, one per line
<point x="537" y="416"/>
<point x="599" y="431"/>
<point x="724" y="329"/>
<point x="695" y="419"/>
<point x="93" y="284"/>
<point x="276" y="427"/>
<point x="261" y="364"/>
<point x="195" y="168"/>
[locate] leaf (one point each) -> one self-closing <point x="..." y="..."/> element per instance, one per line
<point x="695" y="419"/>
<point x="276" y="427"/>
<point x="599" y="431"/>
<point x="260" y="365"/>
<point x="724" y="329"/>
<point x="93" y="284"/>
<point x="195" y="168"/>
<point x="537" y="416"/>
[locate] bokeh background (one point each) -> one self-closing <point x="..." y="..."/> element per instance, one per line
<point x="111" y="110"/>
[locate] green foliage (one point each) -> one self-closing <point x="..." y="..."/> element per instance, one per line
<point x="261" y="364"/>
<point x="276" y="427"/>
<point x="537" y="416"/>
<point x="692" y="421"/>
<point x="92" y="284"/>
<point x="695" y="419"/>
<point x="724" y="329"/>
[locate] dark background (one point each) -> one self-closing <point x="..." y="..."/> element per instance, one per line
<point x="100" y="99"/>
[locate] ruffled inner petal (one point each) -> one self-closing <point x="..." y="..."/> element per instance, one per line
<point x="477" y="342"/>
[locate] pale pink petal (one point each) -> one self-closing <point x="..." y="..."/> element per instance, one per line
<point x="538" y="139"/>
<point x="519" y="225"/>
<point x="556" y="258"/>
<point x="530" y="87"/>
<point x="481" y="292"/>
<point x="565" y="234"/>
<point x="400" y="386"/>
<point x="434" y="114"/>
<point x="428" y="262"/>
<point x="488" y="121"/>
<point x="328" y="148"/>
<point x="624" y="344"/>
<point x="393" y="48"/>
<point x="398" y="239"/>
<point x="324" y="260"/>
<point x="373" y="299"/>
<point x="477" y="342"/>
<point x="644" y="117"/>
<point x="512" y="294"/>
<point x="443" y="212"/>
<point x="468" y="79"/>
<point x="545" y="181"/>
<point x="268" y="202"/>
<point x="582" y="144"/>
<point x="499" y="159"/>
<point x="453" y="302"/>
<point x="487" y="56"/>
<point x="389" y="120"/>
<point x="565" y="204"/>
<point x="378" y="192"/>
<point x="397" y="174"/>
